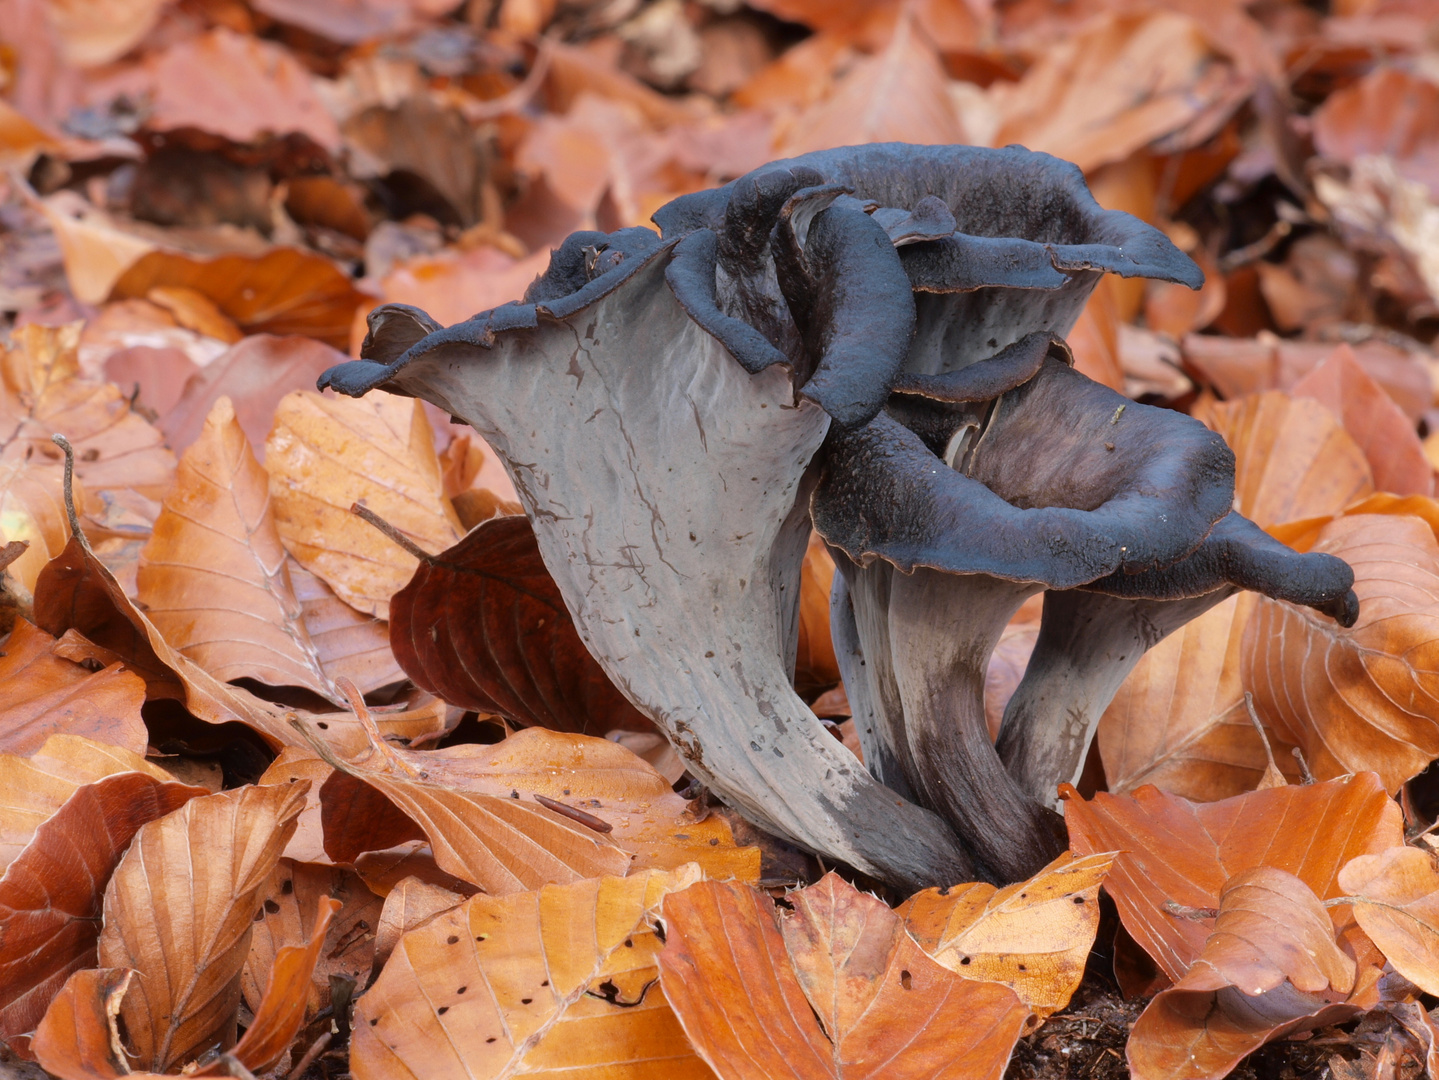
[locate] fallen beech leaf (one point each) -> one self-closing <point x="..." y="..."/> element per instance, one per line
<point x="291" y="765"/>
<point x="324" y="455"/>
<point x="455" y="284"/>
<point x="835" y="989"/>
<point x="1269" y="968"/>
<point x="288" y="902"/>
<point x="483" y="626"/>
<point x="180" y="909"/>
<point x="382" y="871"/>
<point x="1357" y="699"/>
<point x="254" y="373"/>
<point x="284" y="291"/>
<point x="78" y="1039"/>
<point x="33" y="788"/>
<point x="51" y="894"/>
<point x="1388" y="112"/>
<point x="555" y="982"/>
<point x="283" y="1008"/>
<point x="1397" y="904"/>
<point x="899" y="95"/>
<point x="90" y="33"/>
<point x="409" y="905"/>
<point x="195" y="311"/>
<point x="815" y="668"/>
<point x="1033" y="936"/>
<point x="480" y="808"/>
<point x="237" y="86"/>
<point x="1120" y="83"/>
<point x="1294" y="460"/>
<point x="348" y="643"/>
<point x="42" y="392"/>
<point x="1383" y="432"/>
<point x="1008" y="661"/>
<point x="45" y="694"/>
<point x="1173" y="851"/>
<point x="1179" y="720"/>
<point x="150" y="376"/>
<point x="213" y="577"/>
<point x="32" y="511"/>
<point x="97" y="249"/>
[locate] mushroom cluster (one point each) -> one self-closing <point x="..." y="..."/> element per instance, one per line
<point x="867" y="342"/>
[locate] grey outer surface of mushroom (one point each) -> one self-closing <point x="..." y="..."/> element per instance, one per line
<point x="667" y="486"/>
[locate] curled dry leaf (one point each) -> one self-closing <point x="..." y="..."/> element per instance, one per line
<point x="42" y="392"/>
<point x="1033" y="936"/>
<point x="1377" y="425"/>
<point x="213" y="577"/>
<point x="180" y="909"/>
<point x="78" y="1039"/>
<point x="46" y="694"/>
<point x="324" y="455"/>
<point x="1359" y="698"/>
<point x="483" y="625"/>
<point x="33" y="788"/>
<point x="51" y="894"/>
<point x="835" y="988"/>
<point x="815" y="668"/>
<point x="1173" y="851"/>
<point x="284" y="291"/>
<point x="561" y="981"/>
<point x="291" y="765"/>
<point x="285" y="1004"/>
<point x="1270" y="967"/>
<point x="290" y="899"/>
<point x="1397" y="904"/>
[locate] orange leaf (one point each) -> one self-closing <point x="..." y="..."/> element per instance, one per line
<point x="78" y="1039"/>
<point x="1397" y="905"/>
<point x="835" y="989"/>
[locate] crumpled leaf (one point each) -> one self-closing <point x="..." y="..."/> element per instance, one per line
<point x="483" y="625"/>
<point x="180" y="909"/>
<point x="1360" y="698"/>
<point x="1397" y="904"/>
<point x="324" y="455"/>
<point x="1173" y="851"/>
<point x="834" y="989"/>
<point x="1270" y="967"/>
<point x="213" y="577"/>
<point x="291" y="897"/>
<point x="51" y="893"/>
<point x="78" y="1039"/>
<point x="46" y="694"/>
<point x="1033" y="936"/>
<point x="561" y="981"/>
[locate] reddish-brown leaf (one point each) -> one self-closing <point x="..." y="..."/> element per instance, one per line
<point x="51" y="894"/>
<point x="1389" y="112"/>
<point x="1397" y="904"/>
<point x="46" y="694"/>
<point x="834" y="989"/>
<point x="483" y="626"/>
<point x="1173" y="851"/>
<point x="78" y="1039"/>
<point x="1392" y="447"/>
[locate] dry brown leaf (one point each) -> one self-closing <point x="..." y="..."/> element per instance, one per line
<point x="1033" y="936"/>
<point x="289" y="902"/>
<point x="78" y="1039"/>
<point x="51" y="894"/>
<point x="349" y="644"/>
<point x="549" y="983"/>
<point x="1008" y="661"/>
<point x="32" y="511"/>
<point x="1175" y="852"/>
<point x="1383" y="432"/>
<point x="1270" y="967"/>
<point x="213" y="577"/>
<point x="325" y="454"/>
<point x="45" y="694"/>
<point x="453" y="285"/>
<point x="180" y="909"/>
<point x="92" y="32"/>
<point x="834" y="989"/>
<point x="33" y="788"/>
<point x="383" y="871"/>
<point x="1116" y="86"/>
<point x="409" y="905"/>
<point x="282" y="291"/>
<point x="1390" y="112"/>
<point x="1397" y="904"/>
<point x="97" y="250"/>
<point x="1360" y="698"/>
<point x="815" y="666"/>
<point x="291" y="765"/>
<point x="42" y="393"/>
<point x="1293" y="459"/>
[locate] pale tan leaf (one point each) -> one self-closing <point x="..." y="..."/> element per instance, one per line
<point x="325" y="454"/>
<point x="348" y="643"/>
<point x="1397" y="905"/>
<point x="213" y="575"/>
<point x="180" y="909"/>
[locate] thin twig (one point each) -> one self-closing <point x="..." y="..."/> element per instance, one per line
<point x="316" y="1049"/>
<point x="360" y="510"/>
<point x="1192" y="914"/>
<point x="1259" y="727"/>
<point x="1304" y="774"/>
<point x="75" y="530"/>
<point x="587" y="820"/>
<point x="1250" y="253"/>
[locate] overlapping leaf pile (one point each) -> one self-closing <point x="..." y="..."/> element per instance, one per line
<point x="304" y="769"/>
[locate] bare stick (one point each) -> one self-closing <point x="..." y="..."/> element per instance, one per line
<point x="360" y="510"/>
<point x="75" y="530"/>
<point x="1304" y="774"/>
<point x="317" y="1048"/>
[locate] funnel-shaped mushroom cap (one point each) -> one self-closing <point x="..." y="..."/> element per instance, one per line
<point x="666" y="486"/>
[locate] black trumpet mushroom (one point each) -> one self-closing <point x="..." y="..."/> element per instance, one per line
<point x="872" y="335"/>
